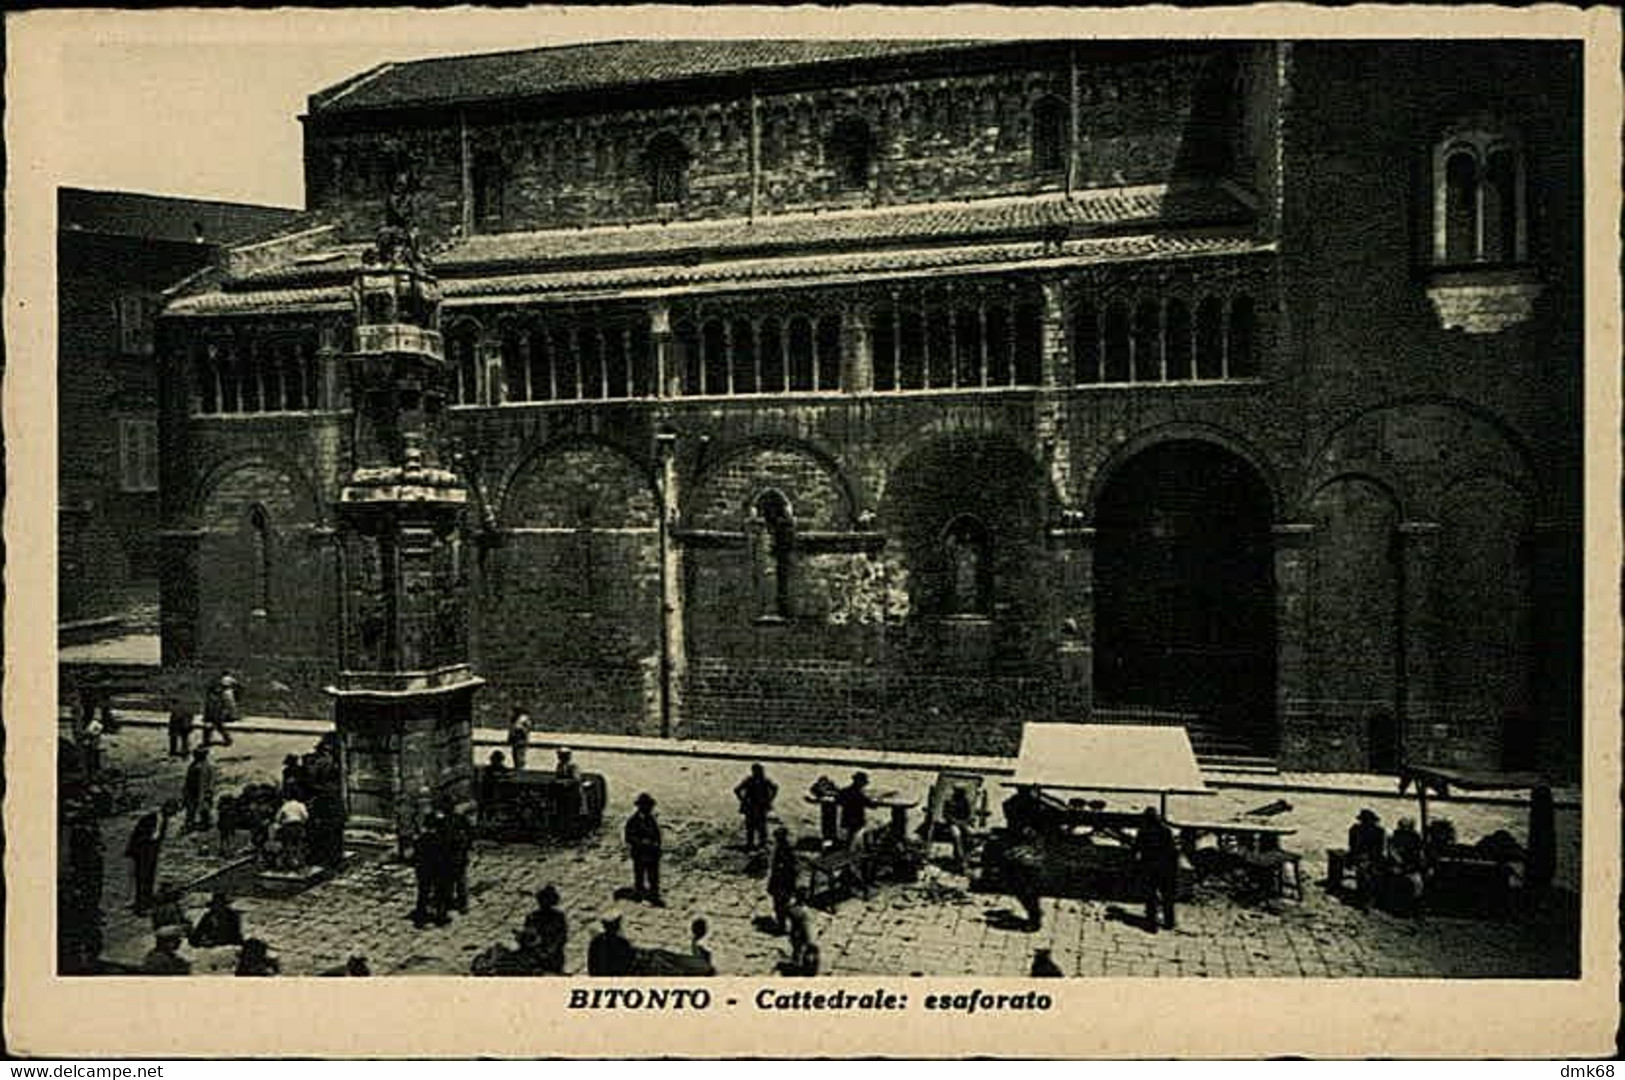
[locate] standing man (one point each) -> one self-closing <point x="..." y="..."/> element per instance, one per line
<point x="146" y="841"/>
<point x="518" y="737"/>
<point x="781" y="878"/>
<point x="220" y="708"/>
<point x="854" y="804"/>
<point x="1156" y="857"/>
<point x="197" y="790"/>
<point x="90" y="746"/>
<point x="643" y="838"/>
<point x="756" y="794"/>
<point x="180" y="729"/>
<point x="432" y="863"/>
<point x="459" y="847"/>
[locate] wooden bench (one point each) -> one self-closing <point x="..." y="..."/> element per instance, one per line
<point x="827" y="871"/>
<point x="1269" y="870"/>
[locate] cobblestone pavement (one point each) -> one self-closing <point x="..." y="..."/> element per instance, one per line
<point x="934" y="926"/>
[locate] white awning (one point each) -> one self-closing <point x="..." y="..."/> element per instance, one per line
<point x="1109" y="757"/>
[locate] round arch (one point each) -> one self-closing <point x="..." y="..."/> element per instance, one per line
<point x="704" y="504"/>
<point x="1184" y="588"/>
<point x="639" y="492"/>
<point x="1215" y="437"/>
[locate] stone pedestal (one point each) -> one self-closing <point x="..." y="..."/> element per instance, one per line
<point x="403" y="750"/>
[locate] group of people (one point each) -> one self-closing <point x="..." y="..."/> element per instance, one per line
<point x="441" y="850"/>
<point x="1020" y="858"/>
<point x="220" y="925"/>
<point x="1394" y="870"/>
<point x="220" y="709"/>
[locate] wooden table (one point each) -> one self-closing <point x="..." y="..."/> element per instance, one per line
<point x="1232" y="835"/>
<point x="894" y="801"/>
<point x="1252" y="846"/>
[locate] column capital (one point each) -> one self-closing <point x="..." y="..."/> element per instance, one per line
<point x="659" y="317"/>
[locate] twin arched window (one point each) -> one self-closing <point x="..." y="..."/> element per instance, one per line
<point x="1478" y="199"/>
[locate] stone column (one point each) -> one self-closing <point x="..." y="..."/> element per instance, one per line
<point x="1293" y="681"/>
<point x="1074" y="580"/>
<point x="496" y="384"/>
<point x="673" y="654"/>
<point x="1419" y="638"/>
<point x="668" y="379"/>
<point x="857" y="351"/>
<point x="1056" y="362"/>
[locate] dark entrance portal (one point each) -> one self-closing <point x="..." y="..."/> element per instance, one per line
<point x="1185" y="593"/>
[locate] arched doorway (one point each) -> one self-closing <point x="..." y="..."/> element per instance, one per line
<point x="1185" y="590"/>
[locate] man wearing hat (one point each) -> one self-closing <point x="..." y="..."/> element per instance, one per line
<point x="566" y="769"/>
<point x="643" y="838"/>
<point x="165" y="957"/>
<point x="1367" y="842"/>
<point x="608" y="953"/>
<point x="756" y="794"/>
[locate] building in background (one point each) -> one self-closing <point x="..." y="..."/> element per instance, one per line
<point x="116" y="253"/>
<point x="897" y="393"/>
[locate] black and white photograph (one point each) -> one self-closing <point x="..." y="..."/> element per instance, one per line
<point x="819" y="509"/>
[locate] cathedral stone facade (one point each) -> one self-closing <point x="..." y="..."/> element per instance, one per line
<point x="892" y="393"/>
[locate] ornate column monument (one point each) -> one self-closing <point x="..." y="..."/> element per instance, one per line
<point x="404" y="694"/>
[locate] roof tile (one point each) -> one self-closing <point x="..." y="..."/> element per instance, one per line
<point x="574" y="68"/>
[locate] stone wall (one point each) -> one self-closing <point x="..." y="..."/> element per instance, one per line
<point x="1421" y="435"/>
<point x="958" y="132"/>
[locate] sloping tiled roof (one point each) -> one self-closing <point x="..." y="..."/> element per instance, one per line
<point x="747" y="274"/>
<point x="163" y="217"/>
<point x="576" y="68"/>
<point x="1100" y="211"/>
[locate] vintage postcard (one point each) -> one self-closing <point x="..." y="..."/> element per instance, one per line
<point x="839" y="531"/>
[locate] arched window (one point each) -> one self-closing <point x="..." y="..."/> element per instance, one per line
<point x="586" y="568"/>
<point x="462" y="350"/>
<point x="1210" y="338"/>
<point x="1239" y="353"/>
<point x="967" y="552"/>
<point x="772" y="539"/>
<point x="259" y="524"/>
<point x="490" y="180"/>
<point x="1117" y="342"/>
<point x="1478" y="199"/>
<point x="1049" y="132"/>
<point x="1085" y="344"/>
<point x="1147" y="343"/>
<point x="1177" y="340"/>
<point x="665" y="161"/>
<point x="851" y="153"/>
